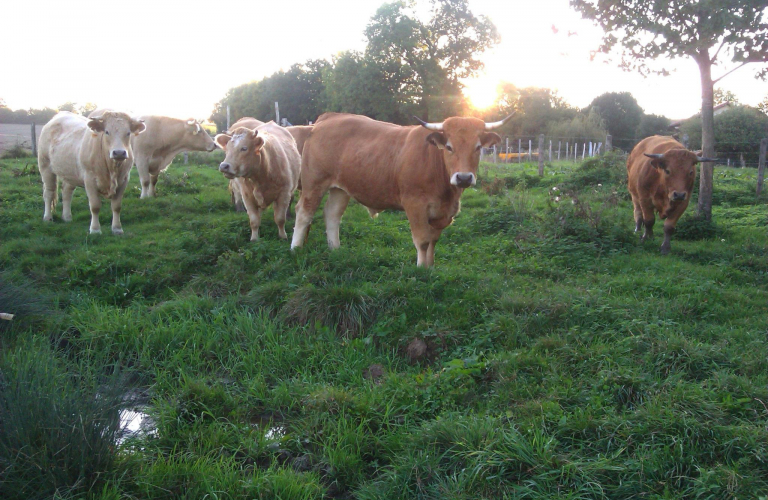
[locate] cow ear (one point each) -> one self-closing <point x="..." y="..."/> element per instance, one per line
<point x="222" y="140"/>
<point x="96" y="125"/>
<point x="488" y="139"/>
<point x="138" y="126"/>
<point x="258" y="143"/>
<point x="437" y="139"/>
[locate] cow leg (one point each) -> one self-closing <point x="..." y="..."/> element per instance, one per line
<point x="424" y="236"/>
<point x="66" y="197"/>
<point x="50" y="186"/>
<point x="152" y="184"/>
<point x="144" y="177"/>
<point x="117" y="206"/>
<point x="649" y="219"/>
<point x="309" y="201"/>
<point x="254" y="213"/>
<point x="94" y="202"/>
<point x="638" y="215"/>
<point x="669" y="230"/>
<point x="282" y="204"/>
<point x="335" y="206"/>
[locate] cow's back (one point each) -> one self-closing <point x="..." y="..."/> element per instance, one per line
<point x="246" y="122"/>
<point x="300" y="134"/>
<point x="360" y="155"/>
<point x="60" y="142"/>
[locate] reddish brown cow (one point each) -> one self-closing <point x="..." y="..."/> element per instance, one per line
<point x="661" y="174"/>
<point x="422" y="170"/>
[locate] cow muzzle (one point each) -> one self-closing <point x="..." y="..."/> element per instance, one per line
<point x="118" y="154"/>
<point x="463" y="179"/>
<point x="678" y="196"/>
<point x="226" y="169"/>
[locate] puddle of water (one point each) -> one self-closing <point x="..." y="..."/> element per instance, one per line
<point x="135" y="422"/>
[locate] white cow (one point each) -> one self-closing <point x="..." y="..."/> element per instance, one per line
<point x="94" y="153"/>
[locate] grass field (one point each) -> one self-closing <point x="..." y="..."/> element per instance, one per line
<point x="547" y="355"/>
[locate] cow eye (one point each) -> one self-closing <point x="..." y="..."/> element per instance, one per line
<point x="449" y="148"/>
<point x="244" y="148"/>
<point x="106" y="132"/>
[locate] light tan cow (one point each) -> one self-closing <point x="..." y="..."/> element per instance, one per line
<point x="265" y="164"/>
<point x="300" y="134"/>
<point x="164" y="138"/>
<point x="422" y="170"/>
<point x="660" y="178"/>
<point x="94" y="153"/>
<point x="234" y="187"/>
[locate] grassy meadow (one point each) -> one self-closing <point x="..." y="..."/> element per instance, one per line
<point x="548" y="354"/>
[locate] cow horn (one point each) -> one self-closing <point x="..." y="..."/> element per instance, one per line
<point x="491" y="126"/>
<point x="99" y="118"/>
<point x="430" y="126"/>
<point x="655" y="156"/>
<point x="191" y="121"/>
<point x="701" y="158"/>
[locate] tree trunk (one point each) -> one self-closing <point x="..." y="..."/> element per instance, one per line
<point x="704" y="207"/>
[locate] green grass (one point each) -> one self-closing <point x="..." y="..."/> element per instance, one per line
<point x="561" y="358"/>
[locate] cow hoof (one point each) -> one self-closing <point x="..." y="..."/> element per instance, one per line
<point x="117" y="231"/>
<point x="94" y="231"/>
<point x="665" y="249"/>
<point x="47" y="219"/>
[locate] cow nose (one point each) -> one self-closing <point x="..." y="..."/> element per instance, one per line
<point x="224" y="167"/>
<point x="678" y="196"/>
<point x="464" y="179"/>
<point x="119" y="154"/>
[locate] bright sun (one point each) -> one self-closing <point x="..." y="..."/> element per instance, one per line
<point x="481" y="93"/>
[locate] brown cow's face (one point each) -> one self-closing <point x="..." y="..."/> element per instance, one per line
<point x="196" y="138"/>
<point x="243" y="149"/>
<point x="460" y="141"/>
<point x="678" y="169"/>
<point x="115" y="130"/>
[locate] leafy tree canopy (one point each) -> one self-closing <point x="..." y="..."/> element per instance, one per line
<point x="620" y="112"/>
<point x="737" y="130"/>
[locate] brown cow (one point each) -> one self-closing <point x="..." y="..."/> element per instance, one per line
<point x="419" y="169"/>
<point x="300" y="134"/>
<point x="660" y="177"/>
<point x="265" y="164"/>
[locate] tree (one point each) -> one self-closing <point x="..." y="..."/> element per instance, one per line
<point x="652" y="125"/>
<point x="68" y="106"/>
<point x="357" y="85"/>
<point x="763" y="106"/>
<point x="721" y="96"/>
<point x="701" y="30"/>
<point x="426" y="58"/>
<point x="583" y="127"/>
<point x="87" y="108"/>
<point x="621" y="114"/>
<point x="535" y="109"/>
<point x="738" y="132"/>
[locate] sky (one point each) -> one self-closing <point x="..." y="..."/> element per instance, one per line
<point x="178" y="58"/>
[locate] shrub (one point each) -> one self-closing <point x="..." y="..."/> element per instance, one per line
<point x="57" y="432"/>
<point x="16" y="152"/>
<point x="695" y="227"/>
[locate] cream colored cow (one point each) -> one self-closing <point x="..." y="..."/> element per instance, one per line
<point x="94" y="153"/>
<point x="265" y="164"/>
<point x="164" y="138"/>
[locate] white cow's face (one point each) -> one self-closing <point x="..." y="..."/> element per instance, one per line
<point x="196" y="138"/>
<point x="243" y="149"/>
<point x="115" y="131"/>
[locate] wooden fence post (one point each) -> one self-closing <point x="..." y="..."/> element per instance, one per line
<point x="530" y="146"/>
<point x="506" y="157"/>
<point x="558" y="150"/>
<point x="541" y="155"/>
<point x="550" y="151"/>
<point x="519" y="151"/>
<point x="608" y="143"/>
<point x="277" y="114"/>
<point x="685" y="141"/>
<point x="567" y="148"/>
<point x="186" y="157"/>
<point x="34" y="140"/>
<point x="583" y="151"/>
<point x="227" y="117"/>
<point x="495" y="156"/>
<point x="761" y="165"/>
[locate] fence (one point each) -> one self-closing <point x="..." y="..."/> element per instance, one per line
<point x="12" y="135"/>
<point x="550" y="149"/>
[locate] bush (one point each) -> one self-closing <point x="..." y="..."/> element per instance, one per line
<point x="16" y="152"/>
<point x="57" y="432"/>
<point x="608" y="169"/>
<point x="695" y="227"/>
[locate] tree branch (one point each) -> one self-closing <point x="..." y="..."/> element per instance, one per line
<point x="734" y="69"/>
<point x="714" y="58"/>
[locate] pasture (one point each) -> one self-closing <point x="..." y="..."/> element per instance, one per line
<point x="548" y="354"/>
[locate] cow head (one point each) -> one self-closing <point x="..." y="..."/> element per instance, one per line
<point x="461" y="140"/>
<point x="678" y="170"/>
<point x="243" y="149"/>
<point x="196" y="138"/>
<point x="115" y="129"/>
